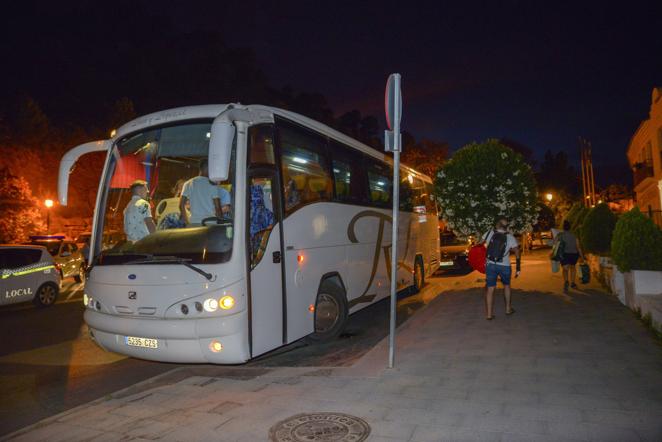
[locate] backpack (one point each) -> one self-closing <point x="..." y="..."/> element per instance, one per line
<point x="496" y="249"/>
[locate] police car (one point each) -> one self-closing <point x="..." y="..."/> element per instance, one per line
<point x="28" y="273"/>
<point x="68" y="257"/>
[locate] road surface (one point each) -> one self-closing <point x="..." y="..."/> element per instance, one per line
<point x="48" y="363"/>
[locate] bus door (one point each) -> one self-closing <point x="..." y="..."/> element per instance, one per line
<point x="264" y="242"/>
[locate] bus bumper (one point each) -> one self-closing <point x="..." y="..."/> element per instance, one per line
<point x="178" y="340"/>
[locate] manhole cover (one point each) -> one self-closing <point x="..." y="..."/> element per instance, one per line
<point x="310" y="427"/>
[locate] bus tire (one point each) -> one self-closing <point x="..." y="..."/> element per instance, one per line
<point x="331" y="313"/>
<point x="419" y="274"/>
<point x="46" y="295"/>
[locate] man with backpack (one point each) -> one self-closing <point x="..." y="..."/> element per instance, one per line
<point x="499" y="244"/>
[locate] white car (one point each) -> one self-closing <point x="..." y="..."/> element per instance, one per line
<point x="28" y="273"/>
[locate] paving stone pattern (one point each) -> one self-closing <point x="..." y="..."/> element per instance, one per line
<point x="575" y="368"/>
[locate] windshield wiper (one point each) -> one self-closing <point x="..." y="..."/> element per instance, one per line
<point x="150" y="259"/>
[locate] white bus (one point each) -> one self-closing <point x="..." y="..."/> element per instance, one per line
<point x="305" y="244"/>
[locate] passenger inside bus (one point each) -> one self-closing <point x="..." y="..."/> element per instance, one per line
<point x="262" y="220"/>
<point x="167" y="210"/>
<point x="138" y="221"/>
<point x="292" y="198"/>
<point x="206" y="199"/>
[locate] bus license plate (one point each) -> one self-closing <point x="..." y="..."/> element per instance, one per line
<point x="141" y="342"/>
<point x="446" y="263"/>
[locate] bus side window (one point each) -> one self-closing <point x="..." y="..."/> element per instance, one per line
<point x="306" y="177"/>
<point x="380" y="180"/>
<point x="342" y="177"/>
<point x="407" y="196"/>
<point x="261" y="145"/>
<point x="430" y="206"/>
<point x="419" y="194"/>
<point x="348" y="173"/>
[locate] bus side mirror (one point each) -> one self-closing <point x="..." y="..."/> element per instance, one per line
<point x="69" y="160"/>
<point x="220" y="149"/>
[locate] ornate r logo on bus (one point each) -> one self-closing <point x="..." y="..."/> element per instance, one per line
<point x="379" y="247"/>
<point x="132" y="295"/>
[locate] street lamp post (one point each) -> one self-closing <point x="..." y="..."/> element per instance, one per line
<point x="48" y="203"/>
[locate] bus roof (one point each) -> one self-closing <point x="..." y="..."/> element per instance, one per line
<point x="213" y="110"/>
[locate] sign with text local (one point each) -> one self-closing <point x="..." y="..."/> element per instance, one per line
<point x="393" y="109"/>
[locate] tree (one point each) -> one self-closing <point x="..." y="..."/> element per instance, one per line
<point x="31" y="125"/>
<point x="365" y="129"/>
<point x="426" y="156"/>
<point x="546" y="219"/>
<point x="557" y="175"/>
<point x="525" y="151"/>
<point x="615" y="192"/>
<point x="482" y="182"/>
<point x="571" y="215"/>
<point x="122" y="111"/>
<point x="20" y="210"/>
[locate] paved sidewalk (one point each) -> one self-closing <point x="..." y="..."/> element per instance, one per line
<point x="577" y="367"/>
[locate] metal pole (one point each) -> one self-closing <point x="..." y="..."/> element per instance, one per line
<point x="48" y="220"/>
<point x="584" y="178"/>
<point x="590" y="162"/>
<point x="394" y="224"/>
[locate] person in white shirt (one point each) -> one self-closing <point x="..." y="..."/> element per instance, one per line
<point x="500" y="267"/>
<point x="206" y="199"/>
<point x="138" y="221"/>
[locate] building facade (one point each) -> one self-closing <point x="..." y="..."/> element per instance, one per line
<point x="645" y="158"/>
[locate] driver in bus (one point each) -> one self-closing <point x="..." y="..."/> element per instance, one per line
<point x="138" y="221"/>
<point x="206" y="199"/>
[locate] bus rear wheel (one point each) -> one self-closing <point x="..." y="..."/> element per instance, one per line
<point x="419" y="274"/>
<point x="331" y="313"/>
<point x="46" y="295"/>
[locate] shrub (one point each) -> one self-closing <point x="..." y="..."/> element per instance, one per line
<point x="483" y="181"/>
<point x="597" y="230"/>
<point x="636" y="243"/>
<point x="576" y="225"/>
<point x="571" y="216"/>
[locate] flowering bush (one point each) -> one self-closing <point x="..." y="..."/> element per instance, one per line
<point x="482" y="182"/>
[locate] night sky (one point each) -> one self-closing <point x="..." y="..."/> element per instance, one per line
<point x="535" y="72"/>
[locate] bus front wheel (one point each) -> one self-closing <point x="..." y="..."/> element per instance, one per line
<point x="331" y="313"/>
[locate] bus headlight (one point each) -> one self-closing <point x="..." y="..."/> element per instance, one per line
<point x="210" y="305"/>
<point x="227" y="302"/>
<point x="86" y="299"/>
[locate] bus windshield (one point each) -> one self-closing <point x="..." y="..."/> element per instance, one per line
<point x="158" y="202"/>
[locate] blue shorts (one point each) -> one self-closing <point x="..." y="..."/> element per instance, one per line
<point x="494" y="270"/>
